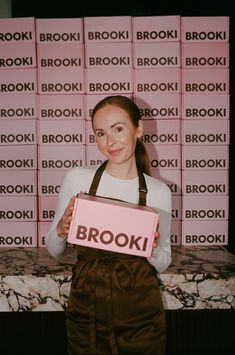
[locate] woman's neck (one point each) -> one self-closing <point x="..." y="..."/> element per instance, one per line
<point x="126" y="171"/>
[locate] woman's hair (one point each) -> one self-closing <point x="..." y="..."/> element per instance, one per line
<point x="141" y="154"/>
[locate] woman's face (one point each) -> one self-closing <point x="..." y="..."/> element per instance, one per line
<point x="115" y="133"/>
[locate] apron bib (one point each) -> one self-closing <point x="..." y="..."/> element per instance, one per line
<point x="114" y="305"/>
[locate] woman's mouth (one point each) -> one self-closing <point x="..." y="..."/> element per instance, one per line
<point x="115" y="152"/>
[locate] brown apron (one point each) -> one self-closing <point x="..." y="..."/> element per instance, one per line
<point x="114" y="306"/>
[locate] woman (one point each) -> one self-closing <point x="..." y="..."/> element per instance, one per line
<point x="115" y="305"/>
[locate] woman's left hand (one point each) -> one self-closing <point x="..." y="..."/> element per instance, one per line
<point x="156" y="238"/>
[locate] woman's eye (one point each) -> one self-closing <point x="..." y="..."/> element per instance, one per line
<point x="99" y="134"/>
<point x="118" y="129"/>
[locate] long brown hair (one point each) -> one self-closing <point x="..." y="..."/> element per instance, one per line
<point x="141" y="154"/>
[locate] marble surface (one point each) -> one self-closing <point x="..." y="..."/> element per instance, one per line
<point x="199" y="278"/>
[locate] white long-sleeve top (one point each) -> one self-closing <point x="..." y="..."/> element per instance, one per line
<point x="159" y="197"/>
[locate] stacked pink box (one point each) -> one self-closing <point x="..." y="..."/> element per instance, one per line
<point x="205" y="130"/>
<point x="60" y="128"/>
<point x="157" y="92"/>
<point x="18" y="153"/>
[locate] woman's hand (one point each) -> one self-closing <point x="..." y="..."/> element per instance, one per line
<point x="64" y="223"/>
<point x="156" y="237"/>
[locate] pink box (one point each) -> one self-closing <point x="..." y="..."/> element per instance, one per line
<point x="18" y="55"/>
<point x="210" y="81"/>
<point x="49" y="182"/>
<point x="213" y="207"/>
<point x="161" y="132"/>
<point x="20" y="208"/>
<point x="59" y="30"/>
<point x="156" y="28"/>
<point x="22" y="157"/>
<point x="203" y="132"/>
<point x="205" y="29"/>
<point x="170" y="177"/>
<point x="157" y="81"/>
<point x="14" y="132"/>
<point x="22" y="183"/>
<point x="176" y="208"/>
<point x="162" y="106"/>
<point x="46" y="207"/>
<point x="94" y="156"/>
<point x="61" y="81"/>
<point x="60" y="56"/>
<point x="92" y="100"/>
<point x="157" y="55"/>
<point x="17" y="30"/>
<point x="164" y="156"/>
<point x="18" y="234"/>
<point x="129" y="228"/>
<point x="214" y="157"/>
<point x="108" y="29"/>
<point x="61" y="157"/>
<point x="43" y="228"/>
<point x="205" y="55"/>
<point x="18" y="106"/>
<point x="18" y="81"/>
<point x="206" y="233"/>
<point x="176" y="232"/>
<point x="61" y="132"/>
<point x="106" y="55"/>
<point x="90" y="137"/>
<point x="108" y="80"/>
<point x="205" y="183"/>
<point x="205" y="106"/>
<point x="61" y="106"/>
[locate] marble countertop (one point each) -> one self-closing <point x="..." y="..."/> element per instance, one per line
<point x="198" y="278"/>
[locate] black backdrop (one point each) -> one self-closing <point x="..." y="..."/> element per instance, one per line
<point x="83" y="8"/>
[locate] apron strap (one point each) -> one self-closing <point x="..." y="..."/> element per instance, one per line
<point x="142" y="183"/>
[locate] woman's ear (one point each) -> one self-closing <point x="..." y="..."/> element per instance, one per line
<point x="140" y="129"/>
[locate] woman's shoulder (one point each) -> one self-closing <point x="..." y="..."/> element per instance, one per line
<point x="80" y="173"/>
<point x="156" y="184"/>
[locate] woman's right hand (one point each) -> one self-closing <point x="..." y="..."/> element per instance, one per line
<point x="64" y="223"/>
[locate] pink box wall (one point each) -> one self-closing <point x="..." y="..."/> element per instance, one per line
<point x="20" y="81"/>
<point x="61" y="132"/>
<point x="162" y="106"/>
<point x="23" y="157"/>
<point x="60" y="81"/>
<point x="205" y="55"/>
<point x="18" y="55"/>
<point x="105" y="55"/>
<point x="18" y="234"/>
<point x="46" y="207"/>
<point x="157" y="55"/>
<point x="61" y="106"/>
<point x="212" y="158"/>
<point x="157" y="81"/>
<point x="204" y="132"/>
<point x="162" y="132"/>
<point x="60" y="157"/>
<point x="176" y="208"/>
<point x="205" y="182"/>
<point x="17" y="30"/>
<point x="171" y="177"/>
<point x="164" y="156"/>
<point x="205" y="29"/>
<point x="49" y="182"/>
<point x="206" y="233"/>
<point x="93" y="155"/>
<point x="20" y="208"/>
<point x="108" y="29"/>
<point x="207" y="208"/>
<point x="59" y="30"/>
<point x="206" y="106"/>
<point x="43" y="228"/>
<point x="56" y="56"/>
<point x="14" y="132"/>
<point x="22" y="184"/>
<point x="18" y="106"/>
<point x="175" y="232"/>
<point x="109" y="81"/>
<point x="211" y="81"/>
<point x="129" y="228"/>
<point x="156" y="28"/>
